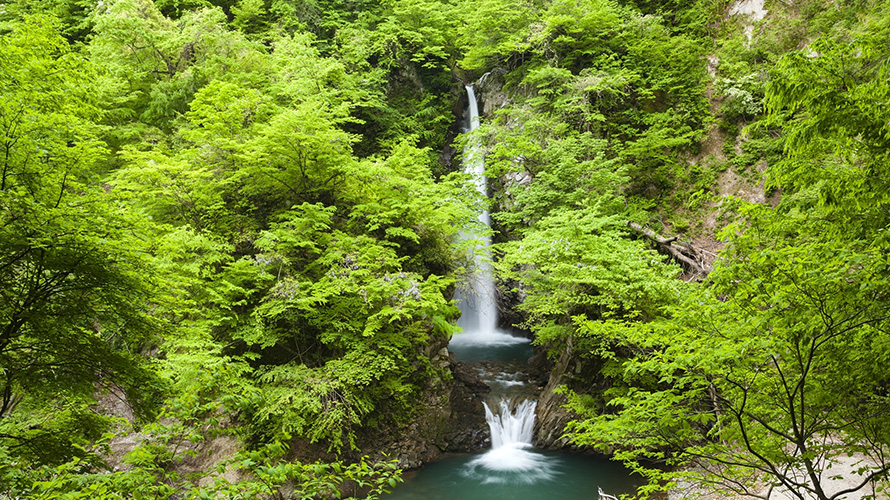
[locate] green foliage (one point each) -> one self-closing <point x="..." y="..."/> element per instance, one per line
<point x="591" y="60"/>
<point x="401" y="52"/>
<point x="495" y="31"/>
<point x="742" y="98"/>
<point x="262" y="474"/>
<point x="234" y="229"/>
<point x="750" y="380"/>
<point x="206" y="399"/>
<point x="73" y="16"/>
<point x="344" y="297"/>
<point x="75" y="279"/>
<point x="843" y="84"/>
<point x="153" y="65"/>
<point x="419" y="31"/>
<point x="325" y="272"/>
<point x="759" y="383"/>
<point x="247" y="192"/>
<point x="250" y="16"/>
<point x="578" y="262"/>
<point x="317" y="480"/>
<point x="604" y="100"/>
<point x="570" y="255"/>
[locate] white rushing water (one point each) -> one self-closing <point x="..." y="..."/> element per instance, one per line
<point x="511" y="427"/>
<point x="477" y="298"/>
<point x="512" y="458"/>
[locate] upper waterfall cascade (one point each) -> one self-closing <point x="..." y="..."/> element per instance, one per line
<point x="477" y="297"/>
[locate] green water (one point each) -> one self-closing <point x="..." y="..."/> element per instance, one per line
<point x="551" y="476"/>
<point x="494" y="346"/>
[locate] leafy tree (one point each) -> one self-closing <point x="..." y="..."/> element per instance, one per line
<point x="830" y="104"/>
<point x="73" y="15"/>
<point x="756" y="387"/>
<point x="153" y="65"/>
<point x="76" y="283"/>
<point x="326" y="273"/>
<point x="419" y="31"/>
<point x="495" y="31"/>
<point x="190" y="420"/>
<point x="579" y="263"/>
<point x="601" y="68"/>
<point x="175" y="8"/>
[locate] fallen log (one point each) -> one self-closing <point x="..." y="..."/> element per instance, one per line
<point x="688" y="256"/>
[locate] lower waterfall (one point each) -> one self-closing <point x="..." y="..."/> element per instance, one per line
<point x="511" y="428"/>
<point x="511" y="458"/>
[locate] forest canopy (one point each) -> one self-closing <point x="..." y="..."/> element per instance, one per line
<point x="240" y="219"/>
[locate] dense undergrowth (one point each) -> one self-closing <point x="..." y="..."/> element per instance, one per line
<point x="233" y="216"/>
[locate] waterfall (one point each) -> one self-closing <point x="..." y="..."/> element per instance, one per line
<point x="511" y="428"/>
<point x="477" y="298"/>
<point x="512" y="467"/>
<point x="511" y="458"/>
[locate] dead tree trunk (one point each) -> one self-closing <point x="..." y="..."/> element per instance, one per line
<point x="688" y="256"/>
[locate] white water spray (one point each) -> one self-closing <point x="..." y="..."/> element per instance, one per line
<point x="511" y="458"/>
<point x="511" y="428"/>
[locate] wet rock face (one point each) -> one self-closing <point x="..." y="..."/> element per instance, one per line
<point x="577" y="373"/>
<point x="468" y="428"/>
<point x="491" y="94"/>
<point x="508" y="299"/>
<point x="452" y="419"/>
<point x="551" y="416"/>
<point x="551" y="421"/>
<point x="580" y="374"/>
